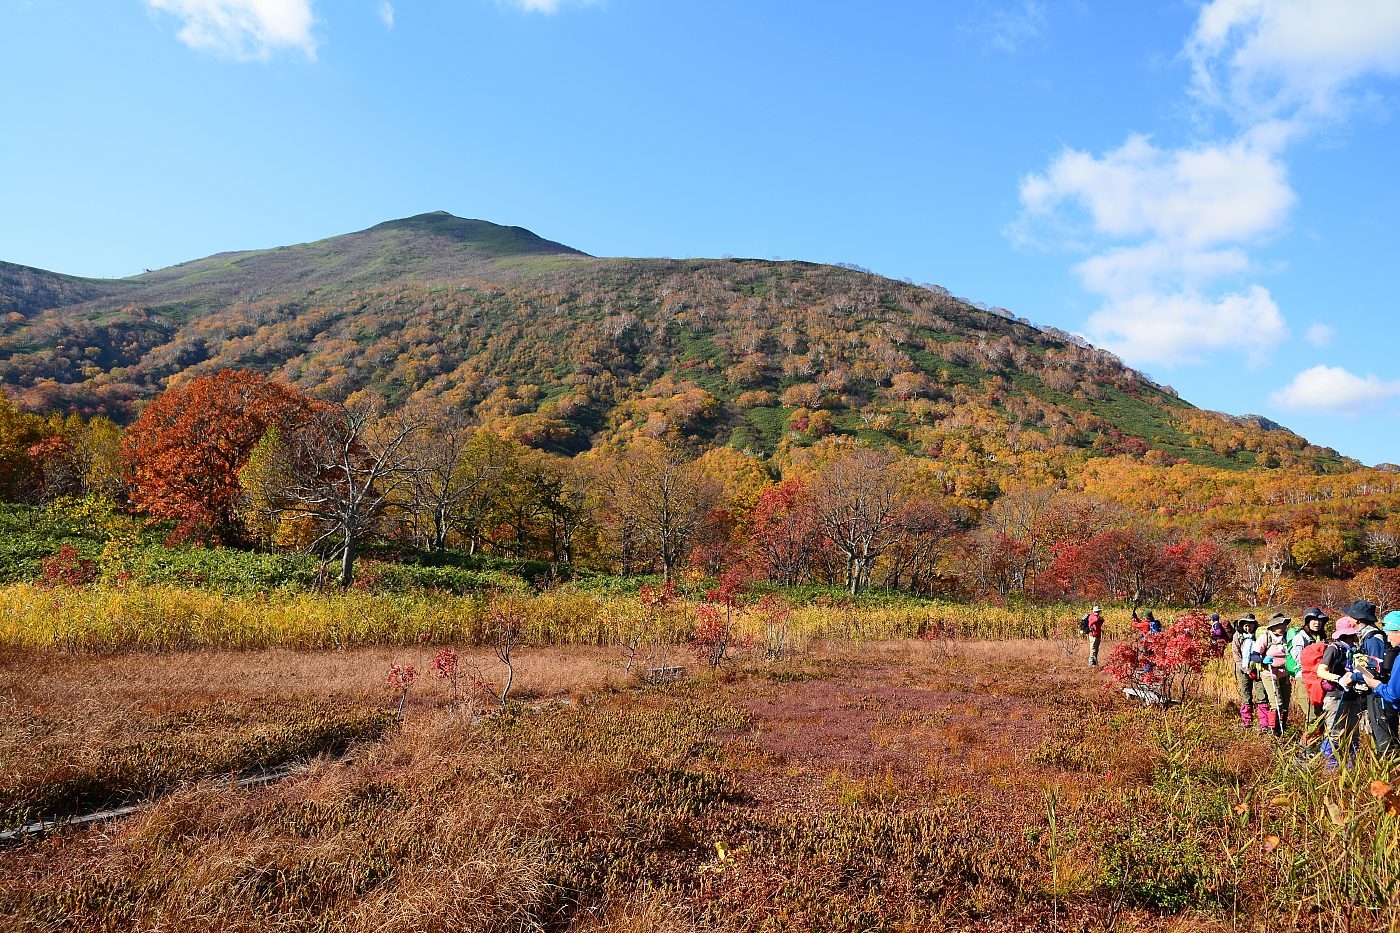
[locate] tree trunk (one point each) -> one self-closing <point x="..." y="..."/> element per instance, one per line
<point x="439" y="530"/>
<point x="347" y="563"/>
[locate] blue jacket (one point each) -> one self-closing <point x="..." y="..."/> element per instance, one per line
<point x="1390" y="691"/>
<point x="1374" y="645"/>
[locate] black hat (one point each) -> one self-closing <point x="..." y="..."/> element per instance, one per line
<point x="1312" y="612"/>
<point x="1362" y="611"/>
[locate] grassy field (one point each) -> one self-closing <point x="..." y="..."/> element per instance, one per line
<point x="862" y="782"/>
<point x="161" y="617"/>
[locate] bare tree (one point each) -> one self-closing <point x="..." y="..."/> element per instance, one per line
<point x="912" y="562"/>
<point x="1030" y="524"/>
<point x="505" y="622"/>
<point x="340" y="468"/>
<point x="857" y="503"/>
<point x="1262" y="574"/>
<point x="662" y="500"/>
<point x="440" y="486"/>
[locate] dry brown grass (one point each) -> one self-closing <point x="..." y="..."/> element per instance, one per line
<point x="900" y="785"/>
<point x="84" y="688"/>
<point x="81" y="733"/>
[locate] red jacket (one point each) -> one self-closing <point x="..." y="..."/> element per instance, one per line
<point x="1095" y="624"/>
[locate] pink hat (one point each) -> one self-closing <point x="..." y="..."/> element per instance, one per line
<point x="1346" y="625"/>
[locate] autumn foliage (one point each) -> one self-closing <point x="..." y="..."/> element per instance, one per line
<point x="183" y="454"/>
<point x="1169" y="662"/>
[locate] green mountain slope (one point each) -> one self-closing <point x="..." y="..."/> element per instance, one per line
<point x="24" y="290"/>
<point x="565" y="350"/>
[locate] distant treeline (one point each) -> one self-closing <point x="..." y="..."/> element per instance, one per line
<point x="239" y="460"/>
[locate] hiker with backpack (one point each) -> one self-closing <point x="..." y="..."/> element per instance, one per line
<point x="1241" y="647"/>
<point x="1341" y="702"/>
<point x="1374" y="660"/>
<point x="1384" y="703"/>
<point x="1305" y="646"/>
<point x="1269" y="656"/>
<point x="1092" y="626"/>
<point x="1219" y="635"/>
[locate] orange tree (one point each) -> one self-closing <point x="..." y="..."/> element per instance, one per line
<point x="182" y="455"/>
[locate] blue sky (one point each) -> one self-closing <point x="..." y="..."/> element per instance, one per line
<point x="1209" y="189"/>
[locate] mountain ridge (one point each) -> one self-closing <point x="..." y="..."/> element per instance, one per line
<point x="571" y="350"/>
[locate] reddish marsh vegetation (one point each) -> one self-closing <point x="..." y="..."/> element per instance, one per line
<point x="897" y="786"/>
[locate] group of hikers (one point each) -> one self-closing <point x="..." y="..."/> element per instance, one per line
<point x="1346" y="674"/>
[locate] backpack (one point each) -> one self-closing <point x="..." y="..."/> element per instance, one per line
<point x="1293" y="665"/>
<point x="1084" y="626"/>
<point x="1367" y="633"/>
<point x="1247" y="655"/>
<point x="1308" y="659"/>
<point x="1259" y="646"/>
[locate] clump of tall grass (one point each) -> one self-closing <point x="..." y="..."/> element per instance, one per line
<point x="167" y="617"/>
<point x="162" y="618"/>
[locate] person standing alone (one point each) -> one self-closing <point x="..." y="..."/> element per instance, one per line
<point x="1093" y="627"/>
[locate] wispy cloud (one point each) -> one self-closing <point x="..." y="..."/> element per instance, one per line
<point x="1169" y="231"/>
<point x="243" y="29"/>
<point x="1335" y="391"/>
<point x="547" y="7"/>
<point x="386" y="14"/>
<point x="1320" y="335"/>
<point x="1007" y="28"/>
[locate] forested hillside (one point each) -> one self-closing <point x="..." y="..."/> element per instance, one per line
<point x="563" y="351"/>
<point x="513" y="398"/>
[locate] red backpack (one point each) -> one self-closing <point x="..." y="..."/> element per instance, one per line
<point x="1308" y="659"/>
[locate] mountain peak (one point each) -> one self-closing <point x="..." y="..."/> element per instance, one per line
<point x="482" y="236"/>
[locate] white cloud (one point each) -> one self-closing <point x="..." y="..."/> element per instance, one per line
<point x="1169" y="230"/>
<point x="1193" y="197"/>
<point x="1186" y="215"/>
<point x="1171" y="327"/>
<point x="1332" y="390"/>
<point x="386" y="13"/>
<point x="1291" y="59"/>
<point x="1320" y="335"/>
<point x="1158" y="265"/>
<point x="243" y="29"/>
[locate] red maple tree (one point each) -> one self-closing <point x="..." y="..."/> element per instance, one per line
<point x="182" y="455"/>
<point x="1169" y="662"/>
